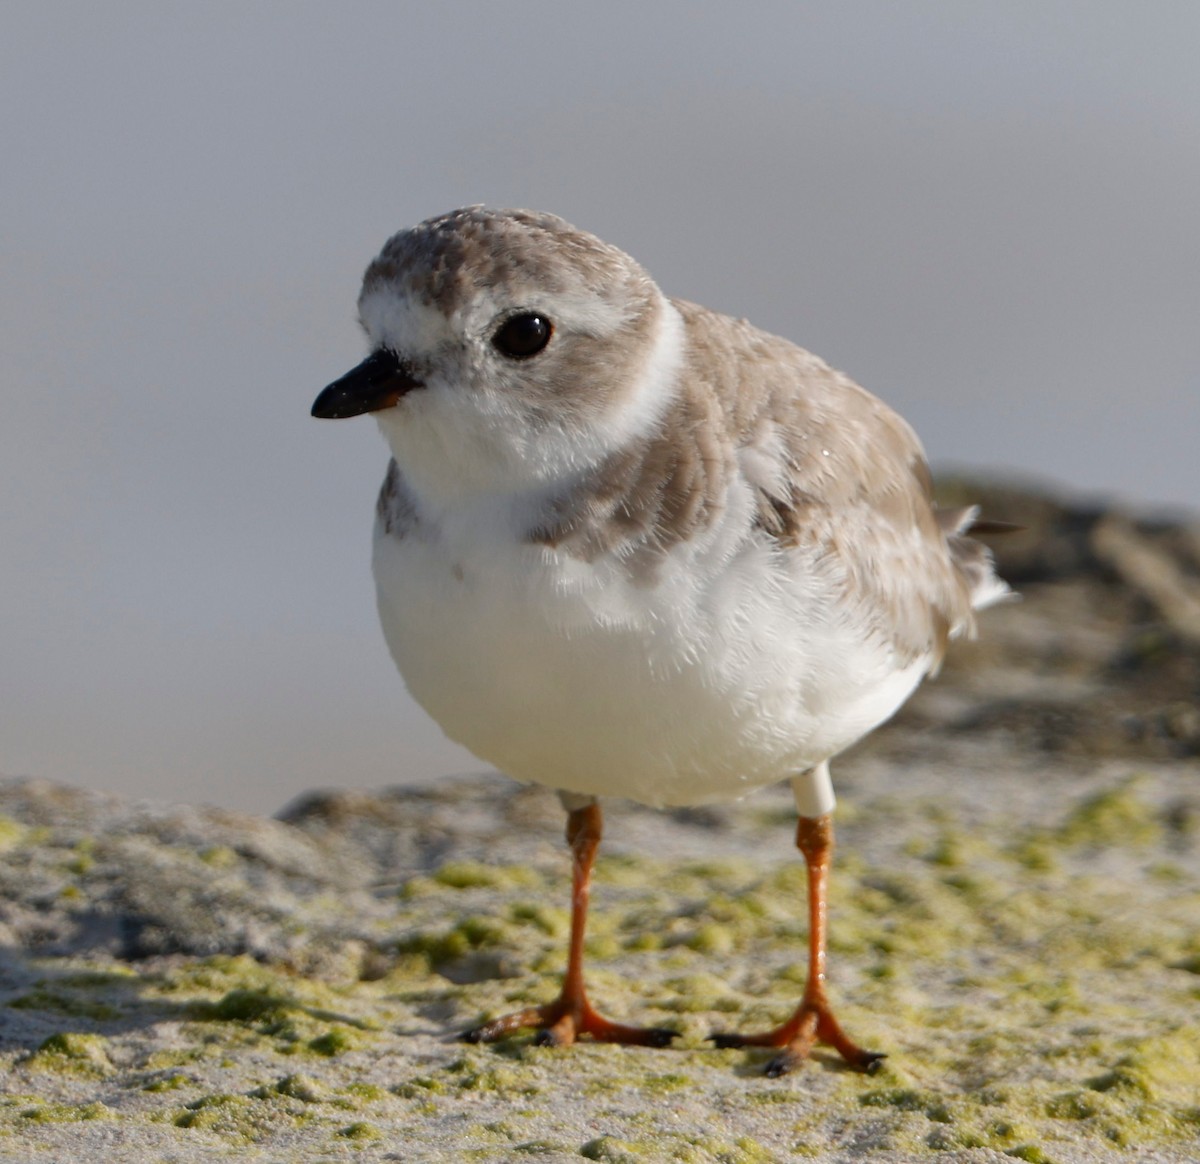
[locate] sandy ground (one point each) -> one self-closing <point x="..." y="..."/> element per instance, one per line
<point x="1015" y="921"/>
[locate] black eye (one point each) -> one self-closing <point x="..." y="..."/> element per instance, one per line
<point x="523" y="335"/>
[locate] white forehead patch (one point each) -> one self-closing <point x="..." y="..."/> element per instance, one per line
<point x="402" y="323"/>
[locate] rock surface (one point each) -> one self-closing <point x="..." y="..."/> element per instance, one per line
<point x="1015" y="920"/>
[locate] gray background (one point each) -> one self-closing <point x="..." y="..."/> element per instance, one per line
<point x="986" y="213"/>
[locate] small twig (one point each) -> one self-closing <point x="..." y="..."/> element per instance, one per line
<point x="1151" y="572"/>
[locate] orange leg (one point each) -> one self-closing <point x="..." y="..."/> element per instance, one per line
<point x="561" y="1022"/>
<point x="813" y="1021"/>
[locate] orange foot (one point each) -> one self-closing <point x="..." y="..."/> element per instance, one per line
<point x="812" y="1023"/>
<point x="561" y="1022"/>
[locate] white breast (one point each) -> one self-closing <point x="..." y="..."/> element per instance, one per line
<point x="729" y="670"/>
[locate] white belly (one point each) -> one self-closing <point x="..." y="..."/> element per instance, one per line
<point x="703" y="685"/>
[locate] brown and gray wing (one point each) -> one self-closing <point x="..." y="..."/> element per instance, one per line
<point x="842" y="480"/>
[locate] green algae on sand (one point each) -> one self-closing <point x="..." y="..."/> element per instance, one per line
<point x="1032" y="981"/>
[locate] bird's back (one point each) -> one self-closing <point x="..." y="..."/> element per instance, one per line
<point x="830" y="472"/>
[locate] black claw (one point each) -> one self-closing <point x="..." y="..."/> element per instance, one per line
<point x="545" y="1038"/>
<point x="875" y="1063"/>
<point x="660" y="1036"/>
<point x="725" y="1042"/>
<point x="780" y="1065"/>
<point x="474" y="1035"/>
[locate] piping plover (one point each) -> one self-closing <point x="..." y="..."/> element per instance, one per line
<point x="627" y="546"/>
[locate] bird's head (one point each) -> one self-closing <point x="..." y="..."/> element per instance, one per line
<point x="506" y="348"/>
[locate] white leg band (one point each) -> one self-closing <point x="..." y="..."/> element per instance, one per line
<point x="814" y="791"/>
<point x="574" y="801"/>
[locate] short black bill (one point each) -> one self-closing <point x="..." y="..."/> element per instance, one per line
<point x="377" y="383"/>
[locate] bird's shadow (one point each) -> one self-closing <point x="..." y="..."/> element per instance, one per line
<point x="43" y="995"/>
